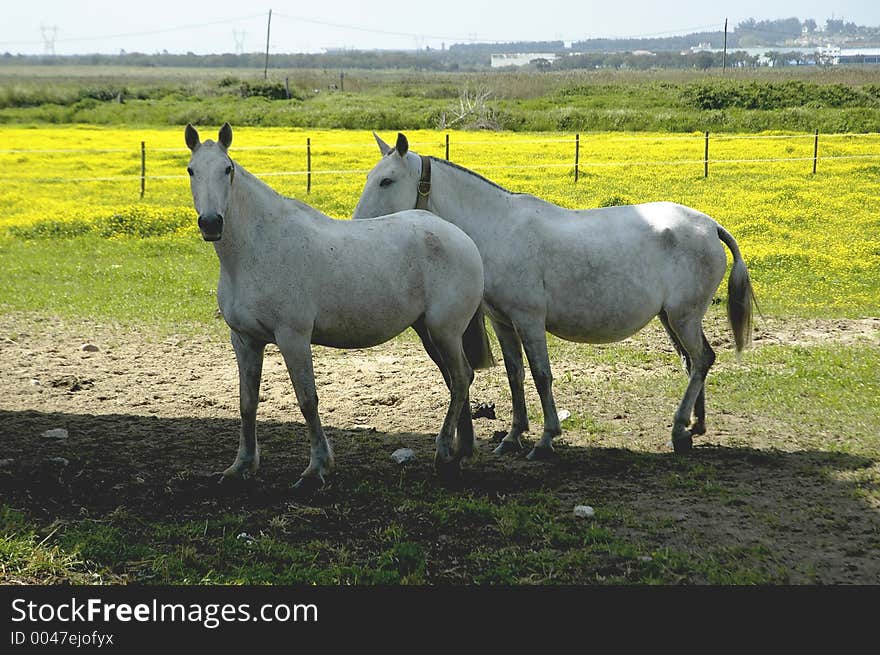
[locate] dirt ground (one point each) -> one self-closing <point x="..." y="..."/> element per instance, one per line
<point x="145" y="413"/>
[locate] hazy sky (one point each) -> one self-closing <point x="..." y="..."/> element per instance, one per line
<point x="229" y="25"/>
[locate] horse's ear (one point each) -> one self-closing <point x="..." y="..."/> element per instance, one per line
<point x="225" y="136"/>
<point x="402" y="144"/>
<point x="384" y="148"/>
<point x="192" y="137"/>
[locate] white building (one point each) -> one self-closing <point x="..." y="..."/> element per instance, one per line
<point x="519" y="58"/>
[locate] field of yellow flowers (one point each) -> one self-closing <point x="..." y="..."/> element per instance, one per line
<point x="812" y="242"/>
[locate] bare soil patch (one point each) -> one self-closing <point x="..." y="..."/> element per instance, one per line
<point x="149" y="420"/>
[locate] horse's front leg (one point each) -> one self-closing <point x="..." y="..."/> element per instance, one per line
<point x="534" y="340"/>
<point x="249" y="355"/>
<point x="296" y="349"/>
<point x="511" y="349"/>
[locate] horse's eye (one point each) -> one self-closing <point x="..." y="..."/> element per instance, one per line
<point x="386" y="182"/>
<point x="189" y="170"/>
<point x="228" y="170"/>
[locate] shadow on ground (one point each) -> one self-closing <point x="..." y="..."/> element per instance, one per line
<point x="809" y="514"/>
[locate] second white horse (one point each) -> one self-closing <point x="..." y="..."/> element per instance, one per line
<point x="594" y="275"/>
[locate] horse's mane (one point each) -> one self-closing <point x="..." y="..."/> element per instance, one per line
<point x="259" y="183"/>
<point x="476" y="175"/>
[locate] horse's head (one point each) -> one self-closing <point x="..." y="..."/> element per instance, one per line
<point x="392" y="185"/>
<point x="211" y="173"/>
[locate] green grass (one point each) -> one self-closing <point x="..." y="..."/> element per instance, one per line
<point x="531" y="538"/>
<point x="30" y="558"/>
<point x="170" y="283"/>
<point x="838" y="100"/>
<point x="532" y="544"/>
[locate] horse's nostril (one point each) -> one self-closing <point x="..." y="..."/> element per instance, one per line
<point x="211" y="225"/>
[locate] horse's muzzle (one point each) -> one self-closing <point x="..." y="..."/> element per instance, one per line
<point x="211" y="226"/>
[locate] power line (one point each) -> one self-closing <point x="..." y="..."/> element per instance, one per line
<point x="181" y="28"/>
<point x="471" y="38"/>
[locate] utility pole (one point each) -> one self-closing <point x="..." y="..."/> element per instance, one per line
<point x="268" y="30"/>
<point x="724" y="55"/>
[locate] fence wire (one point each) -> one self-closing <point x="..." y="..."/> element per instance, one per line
<point x="580" y="165"/>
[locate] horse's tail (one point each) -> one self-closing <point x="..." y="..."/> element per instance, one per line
<point x="740" y="295"/>
<point x="476" y="343"/>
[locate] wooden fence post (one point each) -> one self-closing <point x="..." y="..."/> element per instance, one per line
<point x="815" y="151"/>
<point x="706" y="157"/>
<point x="143" y="167"/>
<point x="308" y="165"/>
<point x="577" y="155"/>
<point x="447" y="147"/>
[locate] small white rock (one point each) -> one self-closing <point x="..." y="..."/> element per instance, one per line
<point x="403" y="455"/>
<point x="55" y="433"/>
<point x="584" y="511"/>
<point x="89" y="348"/>
<point x="244" y="536"/>
<point x="35" y="382"/>
<point x="563" y="414"/>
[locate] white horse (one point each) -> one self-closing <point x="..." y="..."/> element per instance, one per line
<point x="594" y="276"/>
<point x="292" y="276"/>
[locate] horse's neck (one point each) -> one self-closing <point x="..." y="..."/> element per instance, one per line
<point x="469" y="202"/>
<point x="252" y="207"/>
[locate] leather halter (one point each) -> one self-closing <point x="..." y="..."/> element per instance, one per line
<point x="424" y="188"/>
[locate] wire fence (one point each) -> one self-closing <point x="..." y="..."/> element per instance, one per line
<point x="575" y="163"/>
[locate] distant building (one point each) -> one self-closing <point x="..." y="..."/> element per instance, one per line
<point x="859" y="56"/>
<point x="700" y="47"/>
<point x="519" y="58"/>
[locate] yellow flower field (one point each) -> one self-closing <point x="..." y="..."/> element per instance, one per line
<point x="818" y="236"/>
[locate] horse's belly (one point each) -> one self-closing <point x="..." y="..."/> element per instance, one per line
<point x="361" y="330"/>
<point x="601" y="322"/>
<point x="593" y="332"/>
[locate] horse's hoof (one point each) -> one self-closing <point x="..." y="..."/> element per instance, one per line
<point x="540" y="454"/>
<point x="697" y="429"/>
<point x="682" y="445"/>
<point x="232" y="476"/>
<point x="308" y="485"/>
<point x="507" y="447"/>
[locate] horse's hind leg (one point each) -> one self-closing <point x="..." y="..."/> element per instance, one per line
<point x="511" y="349"/>
<point x="534" y="340"/>
<point x="691" y="339"/>
<point x="249" y="355"/>
<point x="449" y="346"/>
<point x="464" y="446"/>
<point x="699" y="425"/>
